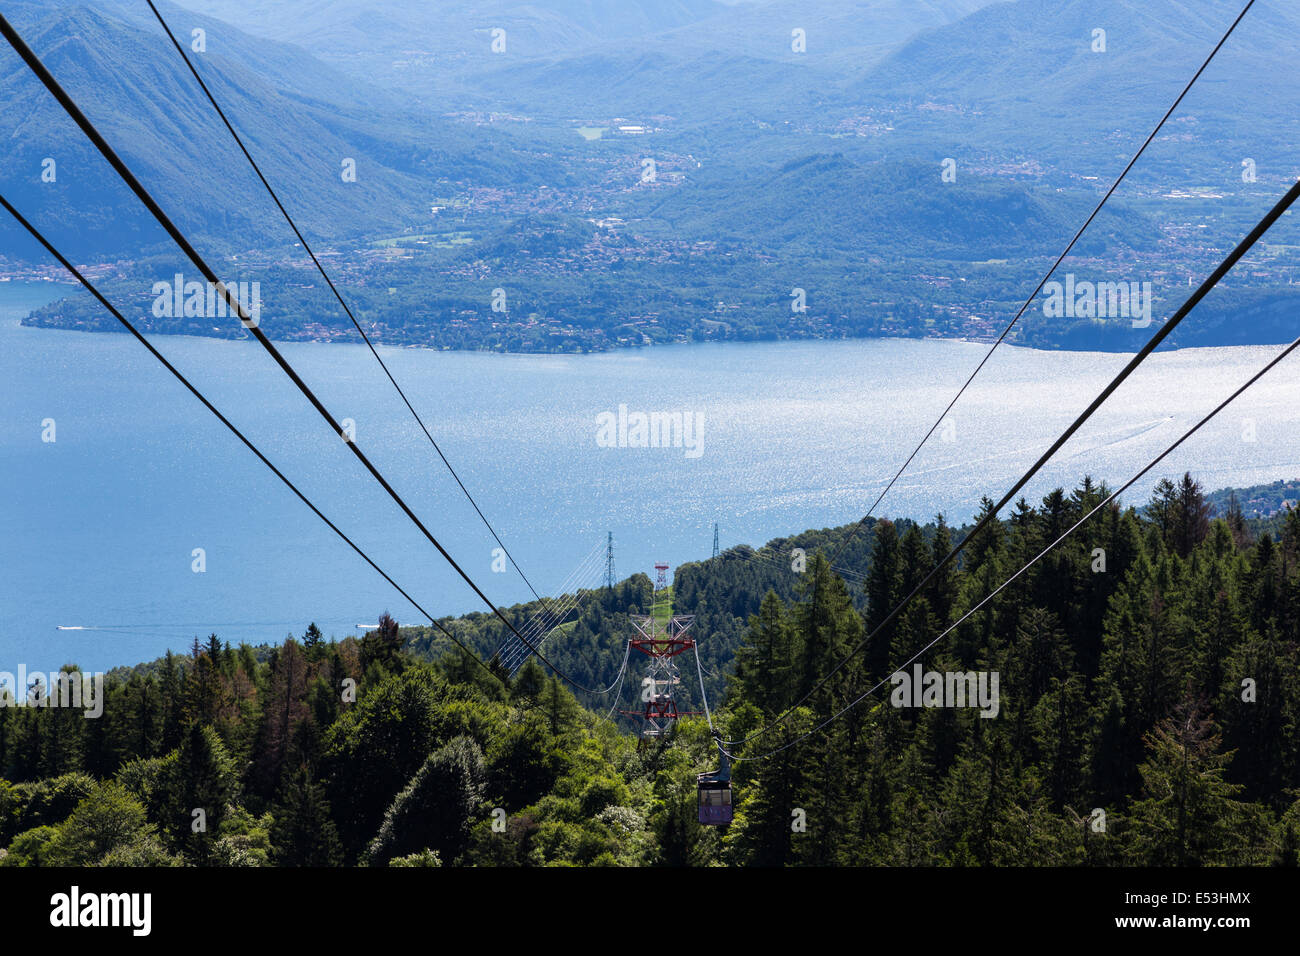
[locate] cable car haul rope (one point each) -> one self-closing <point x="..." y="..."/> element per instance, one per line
<point x="715" y="797"/>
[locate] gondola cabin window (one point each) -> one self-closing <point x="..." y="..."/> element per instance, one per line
<point x="715" y="803"/>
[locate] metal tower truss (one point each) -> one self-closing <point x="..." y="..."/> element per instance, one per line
<point x="662" y="676"/>
<point x="609" y="561"/>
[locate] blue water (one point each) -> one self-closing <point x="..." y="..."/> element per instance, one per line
<point x="99" y="526"/>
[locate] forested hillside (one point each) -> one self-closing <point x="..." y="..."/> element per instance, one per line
<point x="634" y="174"/>
<point x="1149" y="698"/>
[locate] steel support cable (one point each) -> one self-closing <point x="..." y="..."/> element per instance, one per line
<point x="1042" y="282"/>
<point x="1028" y="302"/>
<point x="622" y="668"/>
<point x="76" y="273"/>
<point x="603" y="691"/>
<point x="994" y="593"/>
<point x="538" y="631"/>
<point x="1202" y="290"/>
<point x="515" y="661"/>
<point x="545" y="627"/>
<point x="519" y="662"/>
<point x="539" y="620"/>
<point x="519" y="653"/>
<point x="337" y="295"/>
<point x="542" y="618"/>
<point x="838" y="553"/>
<point x="35" y="64"/>
<point x="538" y="623"/>
<point x="704" y="696"/>
<point x="622" y="672"/>
<point x="757" y="555"/>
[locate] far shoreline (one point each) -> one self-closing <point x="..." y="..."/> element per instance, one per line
<point x="238" y="335"/>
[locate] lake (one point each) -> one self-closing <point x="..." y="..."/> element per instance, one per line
<point x="100" y="526"/>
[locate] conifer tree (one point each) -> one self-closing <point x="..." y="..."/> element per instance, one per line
<point x="303" y="833"/>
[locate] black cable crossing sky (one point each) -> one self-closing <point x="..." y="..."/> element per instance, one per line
<point x="77" y="274"/>
<point x="1273" y="363"/>
<point x="1039" y="288"/>
<point x="70" y="107"/>
<point x="1193" y="300"/>
<point x="1006" y="331"/>
<point x="337" y="295"/>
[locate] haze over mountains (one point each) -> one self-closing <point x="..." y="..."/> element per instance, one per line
<point x="1029" y="63"/>
<point x="300" y="118"/>
<point x="403" y="44"/>
<point x="1023" y="74"/>
<point x="478" y="168"/>
<point x="691" y="59"/>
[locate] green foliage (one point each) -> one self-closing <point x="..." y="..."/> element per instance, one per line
<point x="194" y="791"/>
<point x="1148" y="714"/>
<point x="375" y="748"/>
<point x="303" y="832"/>
<point x="31" y="848"/>
<point x="1149" y="700"/>
<point x="1188" y="815"/>
<point x="423" y="858"/>
<point x="108" y="821"/>
<point x="245" y="840"/>
<point x="437" y="809"/>
<point x="25" y="806"/>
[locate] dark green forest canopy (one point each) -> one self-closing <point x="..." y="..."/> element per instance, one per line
<point x="1149" y="695"/>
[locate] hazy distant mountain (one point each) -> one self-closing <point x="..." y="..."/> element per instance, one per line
<point x="1023" y="49"/>
<point x="370" y="30"/>
<point x="853" y="30"/>
<point x="300" y="118"/>
<point x="594" y="57"/>
<point x="1026" y="72"/>
<point x="825" y="164"/>
<point x="828" y="205"/>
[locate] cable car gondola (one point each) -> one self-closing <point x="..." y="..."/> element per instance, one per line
<point x="715" y="794"/>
